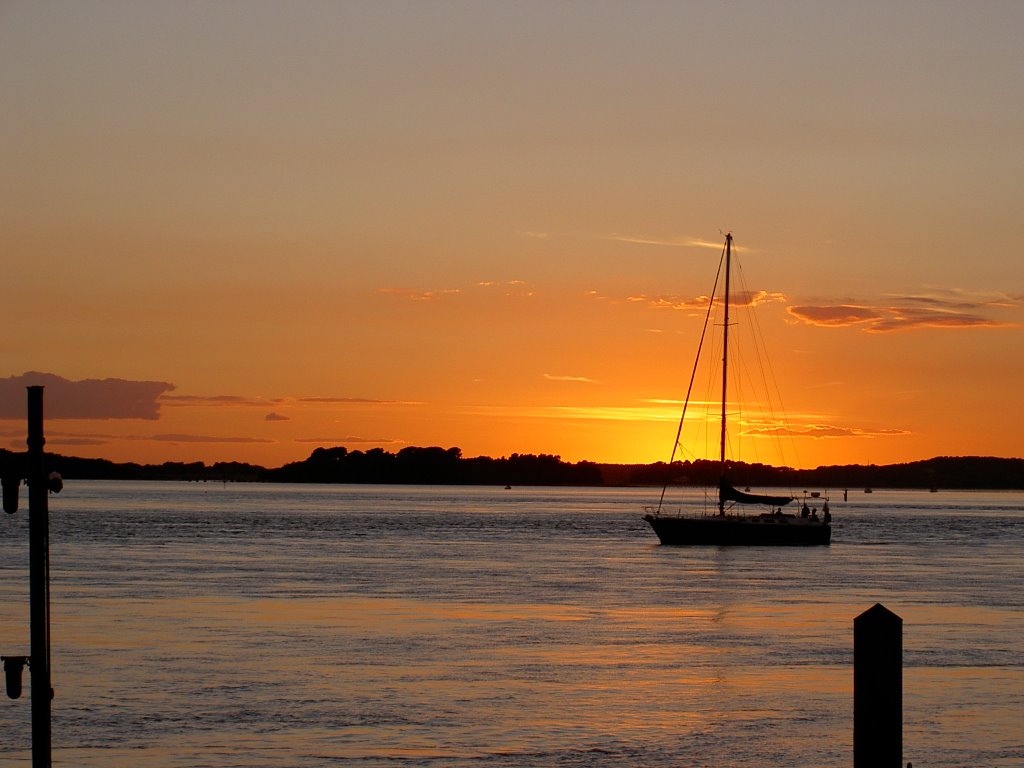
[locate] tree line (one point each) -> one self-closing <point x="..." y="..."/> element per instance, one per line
<point x="447" y="466"/>
<point x="441" y="466"/>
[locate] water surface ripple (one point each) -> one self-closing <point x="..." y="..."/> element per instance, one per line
<point x="254" y="625"/>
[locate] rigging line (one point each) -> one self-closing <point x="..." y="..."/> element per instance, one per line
<point x="773" y="399"/>
<point x="693" y="374"/>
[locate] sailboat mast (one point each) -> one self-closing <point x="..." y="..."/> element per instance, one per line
<point x="725" y="361"/>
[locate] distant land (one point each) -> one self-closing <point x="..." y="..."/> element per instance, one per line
<point x="447" y="466"/>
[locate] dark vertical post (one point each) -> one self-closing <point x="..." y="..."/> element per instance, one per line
<point x="39" y="581"/>
<point x="878" y="689"/>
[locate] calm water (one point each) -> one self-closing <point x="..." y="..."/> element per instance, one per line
<point x="251" y="625"/>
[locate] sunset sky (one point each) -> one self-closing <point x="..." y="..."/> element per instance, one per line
<point x="243" y="230"/>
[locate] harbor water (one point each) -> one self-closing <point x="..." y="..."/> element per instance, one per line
<point x="225" y="625"/>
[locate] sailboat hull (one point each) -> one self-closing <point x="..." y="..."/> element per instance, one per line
<point x="735" y="530"/>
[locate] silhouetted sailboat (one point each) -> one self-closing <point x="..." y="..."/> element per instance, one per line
<point x="725" y="526"/>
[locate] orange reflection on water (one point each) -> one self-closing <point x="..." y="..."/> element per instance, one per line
<point x="395" y="678"/>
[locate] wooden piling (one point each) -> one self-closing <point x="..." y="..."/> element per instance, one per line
<point x="878" y="689"/>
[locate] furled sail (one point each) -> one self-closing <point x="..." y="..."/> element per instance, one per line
<point x="727" y="493"/>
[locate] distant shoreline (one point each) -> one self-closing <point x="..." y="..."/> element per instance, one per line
<point x="447" y="466"/>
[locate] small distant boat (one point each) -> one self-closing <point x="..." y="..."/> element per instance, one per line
<point x="727" y="527"/>
<point x="868" y="490"/>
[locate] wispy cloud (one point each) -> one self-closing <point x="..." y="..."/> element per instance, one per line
<point x="755" y="424"/>
<point x="674" y="242"/>
<point x="242" y="401"/>
<point x="350" y="440"/>
<point x="579" y="379"/>
<point x="344" y="400"/>
<point x="481" y="288"/>
<point x="179" y="437"/>
<point x="608" y="413"/>
<point x="516" y="288"/>
<point x="419" y="295"/>
<point x="837" y="315"/>
<point x="644" y="412"/>
<point x="501" y="283"/>
<point x="57" y="438"/>
<point x="910" y="318"/>
<point x="945" y="309"/>
<point x="957" y="298"/>
<point x="686" y="303"/>
<point x="68" y="441"/>
<point x="216" y="401"/>
<point x="821" y="431"/>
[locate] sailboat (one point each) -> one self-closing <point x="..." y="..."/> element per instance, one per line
<point x="726" y="526"/>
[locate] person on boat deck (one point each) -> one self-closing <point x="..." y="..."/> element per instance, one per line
<point x="805" y="511"/>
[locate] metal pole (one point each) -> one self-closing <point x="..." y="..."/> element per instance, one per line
<point x="39" y="581"/>
<point x="725" y="362"/>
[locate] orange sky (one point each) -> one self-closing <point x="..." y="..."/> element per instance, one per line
<point x="261" y="228"/>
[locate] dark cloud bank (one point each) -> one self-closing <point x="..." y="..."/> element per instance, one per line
<point x="85" y="399"/>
